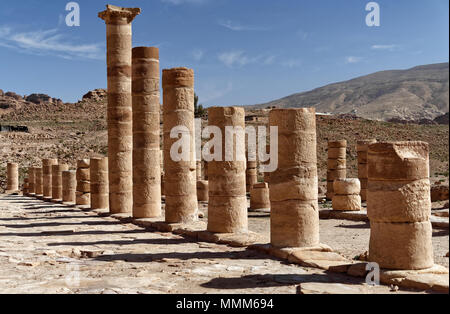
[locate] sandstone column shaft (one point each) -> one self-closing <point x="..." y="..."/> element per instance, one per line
<point x="260" y="196"/>
<point x="99" y="183"/>
<point x="146" y="133"/>
<point x="57" y="184"/>
<point x="337" y="164"/>
<point x="347" y="195"/>
<point x="47" y="177"/>
<point x="362" y="148"/>
<point x="294" y="185"/>
<point x="39" y="190"/>
<point x="83" y="194"/>
<point x="119" y="42"/>
<point x="180" y="176"/>
<point x="252" y="174"/>
<point x="227" y="211"/>
<point x="69" y="182"/>
<point x="31" y="181"/>
<point x="12" y="171"/>
<point x="399" y="205"/>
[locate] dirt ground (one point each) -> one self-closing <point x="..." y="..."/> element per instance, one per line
<point x="50" y="248"/>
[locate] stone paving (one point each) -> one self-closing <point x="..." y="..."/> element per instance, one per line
<point x="50" y="248"/>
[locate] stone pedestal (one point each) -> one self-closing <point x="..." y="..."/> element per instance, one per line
<point x="362" y="148"/>
<point x="259" y="196"/>
<point x="118" y="29"/>
<point x="99" y="183"/>
<point x="347" y="195"/>
<point x="83" y="194"/>
<point x="69" y="187"/>
<point x="146" y="133"/>
<point x="47" y="177"/>
<point x="227" y="211"/>
<point x="180" y="176"/>
<point x="337" y="164"/>
<point x="12" y="179"/>
<point x="294" y="185"/>
<point x="399" y="205"/>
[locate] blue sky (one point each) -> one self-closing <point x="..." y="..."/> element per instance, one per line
<point x="242" y="51"/>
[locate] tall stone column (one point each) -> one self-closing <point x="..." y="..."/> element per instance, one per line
<point x="227" y="210"/>
<point x="362" y="148"/>
<point x="337" y="164"/>
<point x="294" y="185"/>
<point x="180" y="176"/>
<point x="69" y="187"/>
<point x="146" y="133"/>
<point x="99" y="183"/>
<point x="83" y="194"/>
<point x="39" y="190"/>
<point x="12" y="178"/>
<point x="47" y="177"/>
<point x="31" y="182"/>
<point x="399" y="205"/>
<point x="118" y="29"/>
<point x="57" y="184"/>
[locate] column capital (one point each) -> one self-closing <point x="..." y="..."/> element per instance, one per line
<point x="114" y="14"/>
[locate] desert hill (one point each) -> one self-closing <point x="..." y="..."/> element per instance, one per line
<point x="399" y="95"/>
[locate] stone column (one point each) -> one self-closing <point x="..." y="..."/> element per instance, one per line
<point x="99" y="183"/>
<point x="26" y="186"/>
<point x="399" y="205"/>
<point x="31" y="182"/>
<point x="83" y="194"/>
<point x="118" y="28"/>
<point x="294" y="185"/>
<point x="259" y="196"/>
<point x="12" y="182"/>
<point x="199" y="171"/>
<point x="227" y="211"/>
<point x="47" y="177"/>
<point x="39" y="191"/>
<point x="57" y="184"/>
<point x="251" y="174"/>
<point x="203" y="191"/>
<point x="146" y="133"/>
<point x="337" y="164"/>
<point x="362" y="148"/>
<point x="180" y="176"/>
<point x="69" y="187"/>
<point x="347" y="195"/>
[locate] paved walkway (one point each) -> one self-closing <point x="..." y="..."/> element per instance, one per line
<point x="49" y="248"/>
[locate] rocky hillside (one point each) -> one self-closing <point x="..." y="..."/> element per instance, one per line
<point x="420" y="93"/>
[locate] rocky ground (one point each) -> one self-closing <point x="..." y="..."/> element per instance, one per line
<point x="50" y="248"/>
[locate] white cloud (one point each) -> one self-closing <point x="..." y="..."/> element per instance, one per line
<point x="269" y="60"/>
<point x="211" y="92"/>
<point x="385" y="47"/>
<point x="232" y="58"/>
<point x="198" y="54"/>
<point x="292" y="63"/>
<point x="45" y="42"/>
<point x="353" y="59"/>
<point x="236" y="26"/>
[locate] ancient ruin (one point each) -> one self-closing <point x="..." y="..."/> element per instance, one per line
<point x="294" y="185"/>
<point x="203" y="191"/>
<point x="146" y="133"/>
<point x="347" y="195"/>
<point x="180" y="176"/>
<point x="399" y="205"/>
<point x="57" y="182"/>
<point x="252" y="174"/>
<point x="259" y="196"/>
<point x="38" y="181"/>
<point x="227" y="210"/>
<point x="99" y="183"/>
<point x="337" y="164"/>
<point x="31" y="181"/>
<point x="120" y="130"/>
